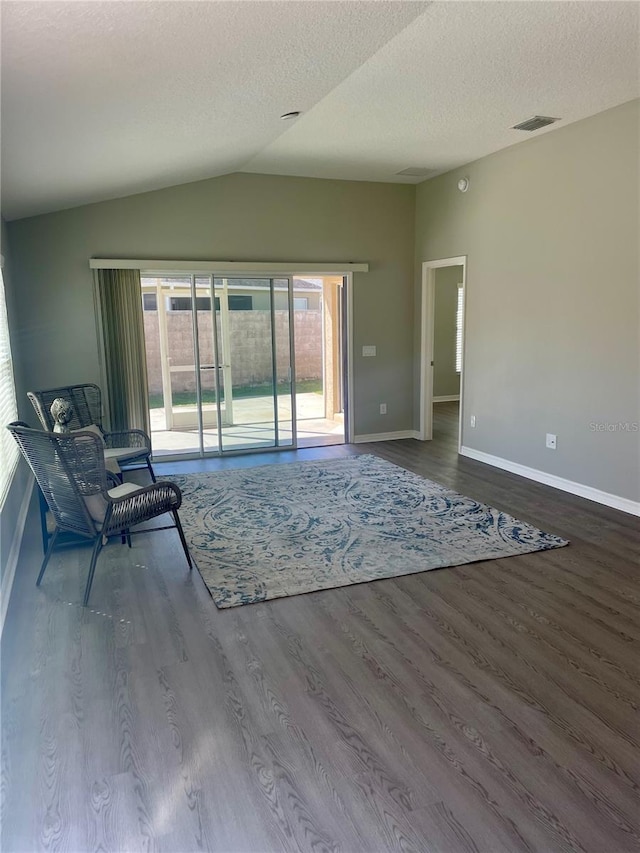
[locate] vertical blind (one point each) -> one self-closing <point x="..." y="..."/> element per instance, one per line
<point x="8" y="409"/>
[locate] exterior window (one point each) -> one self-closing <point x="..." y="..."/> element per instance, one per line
<point x="238" y="302"/>
<point x="459" y="320"/>
<point x="300" y="303"/>
<point x="150" y="301"/>
<point x="203" y="303"/>
<point x="183" y="303"/>
<point x="8" y="409"/>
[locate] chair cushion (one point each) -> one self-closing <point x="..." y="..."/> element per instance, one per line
<point x="123" y="490"/>
<point x="110" y="460"/>
<point x="97" y="505"/>
<point x="91" y="428"/>
<point x="122" y="453"/>
<point x="114" y="455"/>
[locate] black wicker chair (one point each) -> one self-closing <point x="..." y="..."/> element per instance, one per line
<point x="70" y="471"/>
<point x="124" y="448"/>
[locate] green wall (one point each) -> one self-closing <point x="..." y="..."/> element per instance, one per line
<point x="550" y="229"/>
<point x="238" y="217"/>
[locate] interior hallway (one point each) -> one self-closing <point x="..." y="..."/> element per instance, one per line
<point x="491" y="707"/>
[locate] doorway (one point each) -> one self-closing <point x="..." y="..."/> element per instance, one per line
<point x="442" y="347"/>
<point x="244" y="364"/>
<point x="319" y="347"/>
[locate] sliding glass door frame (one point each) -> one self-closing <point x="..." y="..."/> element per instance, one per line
<point x="292" y="360"/>
<point x="223" y="394"/>
<point x="273" y="273"/>
<point x="346" y="353"/>
<point x="219" y="365"/>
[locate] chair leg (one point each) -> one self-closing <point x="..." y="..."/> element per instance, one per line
<point x="43" y="520"/>
<point x="176" y="518"/>
<point x="92" y="568"/>
<point x="153" y="476"/>
<point x="47" y="556"/>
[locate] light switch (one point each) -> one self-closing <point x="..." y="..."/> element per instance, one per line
<point x="368" y="351"/>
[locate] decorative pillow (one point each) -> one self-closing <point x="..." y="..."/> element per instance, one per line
<point x="92" y="428"/>
<point x="110" y="463"/>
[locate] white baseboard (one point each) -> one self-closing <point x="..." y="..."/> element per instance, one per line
<point x="385" y="436"/>
<point x="597" y="495"/>
<point x="14" y="553"/>
<point x="448" y="398"/>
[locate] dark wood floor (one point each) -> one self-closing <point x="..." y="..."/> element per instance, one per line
<point x="492" y="707"/>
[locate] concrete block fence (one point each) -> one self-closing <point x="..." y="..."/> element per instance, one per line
<point x="250" y="347"/>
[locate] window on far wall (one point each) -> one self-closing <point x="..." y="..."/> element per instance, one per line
<point x="237" y="302"/>
<point x="149" y="302"/>
<point x="183" y="303"/>
<point x="8" y="409"/>
<point x="459" y="319"/>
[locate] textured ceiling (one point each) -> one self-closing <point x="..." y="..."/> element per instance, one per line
<point x="449" y="88"/>
<point x="103" y="99"/>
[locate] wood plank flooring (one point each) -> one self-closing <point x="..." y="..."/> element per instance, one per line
<point x="491" y="708"/>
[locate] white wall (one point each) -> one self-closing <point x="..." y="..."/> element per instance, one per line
<point x="550" y="228"/>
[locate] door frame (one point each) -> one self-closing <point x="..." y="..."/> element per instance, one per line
<point x="347" y="355"/>
<point x="427" y="338"/>
<point x="267" y="270"/>
<point x="346" y="330"/>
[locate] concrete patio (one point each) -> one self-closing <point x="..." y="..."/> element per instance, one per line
<point x="253" y="426"/>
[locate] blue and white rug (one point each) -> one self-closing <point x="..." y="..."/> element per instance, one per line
<point x="279" y="530"/>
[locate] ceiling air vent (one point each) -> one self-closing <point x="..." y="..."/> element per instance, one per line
<point x="415" y="172"/>
<point x="535" y="123"/>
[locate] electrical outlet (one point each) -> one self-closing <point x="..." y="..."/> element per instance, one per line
<point x="473" y="420"/>
<point x="383" y="408"/>
<point x="551" y="441"/>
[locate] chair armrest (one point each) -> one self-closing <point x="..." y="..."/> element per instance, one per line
<point x="127" y="438"/>
<point x="144" y="504"/>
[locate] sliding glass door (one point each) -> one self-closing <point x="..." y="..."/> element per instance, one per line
<point x="220" y="363"/>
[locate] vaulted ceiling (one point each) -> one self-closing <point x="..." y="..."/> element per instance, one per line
<point x="105" y="99"/>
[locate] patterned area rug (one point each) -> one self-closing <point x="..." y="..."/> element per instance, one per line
<point x="278" y="530"/>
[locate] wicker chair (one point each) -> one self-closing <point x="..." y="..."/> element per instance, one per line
<point x="70" y="471"/>
<point x="124" y="448"/>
